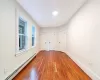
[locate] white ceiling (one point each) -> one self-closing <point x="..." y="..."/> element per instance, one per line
<point x="41" y="10"/>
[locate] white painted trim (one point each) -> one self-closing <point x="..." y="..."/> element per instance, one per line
<point x="21" y="67"/>
<point x="86" y="69"/>
<point x="17" y="17"/>
<point x="22" y="51"/>
<point x="26" y="37"/>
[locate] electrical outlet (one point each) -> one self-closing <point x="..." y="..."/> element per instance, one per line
<point x="5" y="71"/>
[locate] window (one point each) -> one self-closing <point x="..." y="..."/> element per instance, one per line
<point x="33" y="36"/>
<point x="22" y="34"/>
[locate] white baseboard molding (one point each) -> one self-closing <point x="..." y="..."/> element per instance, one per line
<point x="11" y="76"/>
<point x="86" y="69"/>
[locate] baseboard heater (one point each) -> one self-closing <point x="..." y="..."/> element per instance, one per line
<point x="11" y="76"/>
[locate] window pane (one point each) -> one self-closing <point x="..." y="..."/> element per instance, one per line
<point x="22" y="36"/>
<point x="33" y="36"/>
<point x="21" y="29"/>
<point x="33" y="31"/>
<point x="21" y="22"/>
<point x="32" y="41"/>
<point x="21" y="42"/>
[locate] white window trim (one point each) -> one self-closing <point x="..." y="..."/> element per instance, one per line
<point x="34" y="37"/>
<point x="17" y="37"/>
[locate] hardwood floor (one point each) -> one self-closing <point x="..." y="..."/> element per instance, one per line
<point x="52" y="65"/>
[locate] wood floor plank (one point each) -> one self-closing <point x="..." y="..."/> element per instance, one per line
<point x="52" y="65"/>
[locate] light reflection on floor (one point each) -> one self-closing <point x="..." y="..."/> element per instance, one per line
<point x="33" y="74"/>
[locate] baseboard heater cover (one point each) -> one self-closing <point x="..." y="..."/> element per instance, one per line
<point x="11" y="76"/>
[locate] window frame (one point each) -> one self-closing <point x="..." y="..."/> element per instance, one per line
<point x="34" y="37"/>
<point x="26" y="37"/>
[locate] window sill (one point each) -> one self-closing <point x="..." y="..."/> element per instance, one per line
<point x="22" y="52"/>
<point x="33" y="47"/>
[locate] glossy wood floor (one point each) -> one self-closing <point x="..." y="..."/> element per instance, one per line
<point x="52" y="65"/>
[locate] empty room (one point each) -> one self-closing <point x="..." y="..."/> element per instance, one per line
<point x="49" y="39"/>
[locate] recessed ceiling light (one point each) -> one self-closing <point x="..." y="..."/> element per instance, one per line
<point x="55" y="13"/>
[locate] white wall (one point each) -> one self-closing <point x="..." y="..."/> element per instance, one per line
<point x="83" y="38"/>
<point x="56" y="37"/>
<point x="8" y="25"/>
<point x="48" y="35"/>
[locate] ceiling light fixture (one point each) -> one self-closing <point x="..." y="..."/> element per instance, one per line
<point x="55" y="13"/>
